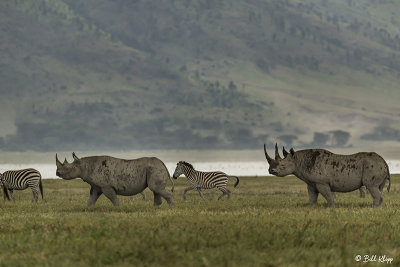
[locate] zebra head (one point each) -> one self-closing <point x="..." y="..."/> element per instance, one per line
<point x="181" y="168"/>
<point x="67" y="170"/>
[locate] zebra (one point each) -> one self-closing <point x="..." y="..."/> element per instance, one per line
<point x="20" y="180"/>
<point x="203" y="180"/>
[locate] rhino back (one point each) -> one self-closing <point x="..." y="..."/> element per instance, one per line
<point x="125" y="176"/>
<point x="342" y="172"/>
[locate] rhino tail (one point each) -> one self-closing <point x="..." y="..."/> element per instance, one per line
<point x="237" y="180"/>
<point x="388" y="188"/>
<point x="172" y="181"/>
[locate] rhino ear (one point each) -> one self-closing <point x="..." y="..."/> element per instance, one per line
<point x="74" y="156"/>
<point x="285" y="153"/>
<point x="292" y="151"/>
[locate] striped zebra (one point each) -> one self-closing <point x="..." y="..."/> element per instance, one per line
<point x="203" y="180"/>
<point x="20" y="180"/>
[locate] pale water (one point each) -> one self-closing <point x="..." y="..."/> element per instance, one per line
<point x="237" y="168"/>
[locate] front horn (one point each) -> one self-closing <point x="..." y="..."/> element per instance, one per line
<point x="269" y="159"/>
<point x="58" y="163"/>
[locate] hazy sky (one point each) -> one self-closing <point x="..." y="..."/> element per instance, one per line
<point x="215" y="75"/>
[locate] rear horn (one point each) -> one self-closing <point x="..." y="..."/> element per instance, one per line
<point x="285" y="153"/>
<point x="277" y="156"/>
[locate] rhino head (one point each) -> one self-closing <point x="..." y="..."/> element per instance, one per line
<point x="67" y="170"/>
<point x="281" y="166"/>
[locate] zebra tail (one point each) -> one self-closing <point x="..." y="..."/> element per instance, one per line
<point x="41" y="187"/>
<point x="237" y="180"/>
<point x="6" y="193"/>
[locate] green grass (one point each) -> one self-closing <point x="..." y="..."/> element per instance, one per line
<point x="267" y="222"/>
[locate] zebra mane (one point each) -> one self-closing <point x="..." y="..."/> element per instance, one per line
<point x="187" y="164"/>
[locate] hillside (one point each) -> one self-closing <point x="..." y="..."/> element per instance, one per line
<point x="100" y="74"/>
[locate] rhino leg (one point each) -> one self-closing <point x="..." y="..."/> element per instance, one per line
<point x="95" y="193"/>
<point x="362" y="191"/>
<point x="312" y="194"/>
<point x="157" y="199"/>
<point x="166" y="195"/>
<point x="156" y="182"/>
<point x="382" y="185"/>
<point x="109" y="192"/>
<point x="377" y="195"/>
<point x="160" y="191"/>
<point x="326" y="192"/>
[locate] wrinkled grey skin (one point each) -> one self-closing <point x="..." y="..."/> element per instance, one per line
<point x="325" y="172"/>
<point x="112" y="176"/>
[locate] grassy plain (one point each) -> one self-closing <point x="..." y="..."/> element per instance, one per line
<point x="267" y="222"/>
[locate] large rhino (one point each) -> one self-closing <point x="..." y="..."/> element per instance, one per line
<point x="112" y="176"/>
<point x="325" y="172"/>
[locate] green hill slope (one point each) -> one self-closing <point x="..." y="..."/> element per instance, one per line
<point x="198" y="74"/>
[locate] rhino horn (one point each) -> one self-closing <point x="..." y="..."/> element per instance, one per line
<point x="292" y="151"/>
<point x="58" y="163"/>
<point x="285" y="153"/>
<point x="74" y="156"/>
<point x="269" y="159"/>
<point x="277" y="156"/>
<point x="65" y="161"/>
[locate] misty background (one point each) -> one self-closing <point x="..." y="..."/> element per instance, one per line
<point x="122" y="75"/>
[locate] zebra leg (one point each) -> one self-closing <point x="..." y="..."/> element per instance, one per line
<point x="5" y="194"/>
<point x="229" y="193"/>
<point x="95" y="193"/>
<point x="224" y="192"/>
<point x="35" y="194"/>
<point x="201" y="194"/>
<point x="12" y="194"/>
<point x="186" y="190"/>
